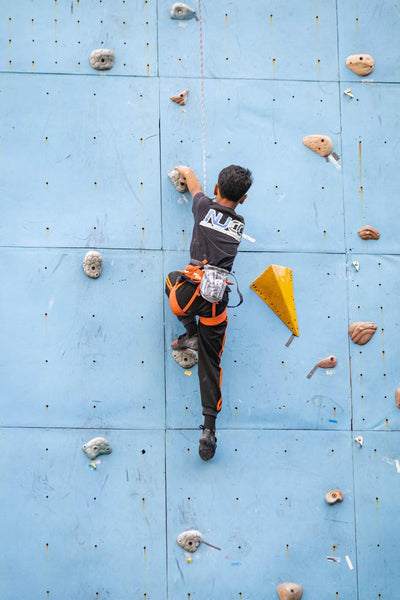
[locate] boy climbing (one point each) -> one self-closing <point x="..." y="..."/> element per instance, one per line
<point x="217" y="233"/>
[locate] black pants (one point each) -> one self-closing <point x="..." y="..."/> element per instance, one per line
<point x="211" y="342"/>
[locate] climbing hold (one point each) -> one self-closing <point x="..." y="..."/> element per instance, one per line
<point x="321" y="144"/>
<point x="102" y="59"/>
<point x="93" y="264"/>
<point x="397" y="397"/>
<point x="359" y="440"/>
<point x="186" y="358"/>
<point x="368" y="233"/>
<point x="189" y="540"/>
<point x="290" y="591"/>
<point x="361" y="332"/>
<point x="182" y="12"/>
<point x="275" y="287"/>
<point x="334" y="496"/>
<point x="97" y="446"/>
<point x="327" y="363"/>
<point x="360" y="64"/>
<point x="177" y="181"/>
<point x="356" y="265"/>
<point x="348" y="93"/>
<point x="180" y="98"/>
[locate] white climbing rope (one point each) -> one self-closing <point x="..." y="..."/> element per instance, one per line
<point x="203" y="110"/>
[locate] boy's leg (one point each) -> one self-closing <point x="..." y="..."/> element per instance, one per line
<point x="211" y="346"/>
<point x="189" y="322"/>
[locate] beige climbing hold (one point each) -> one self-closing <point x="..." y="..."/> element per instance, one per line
<point x="290" y="591"/>
<point x="321" y="144"/>
<point x="102" y="59"/>
<point x="189" y="540"/>
<point x="186" y="358"/>
<point x="97" y="446"/>
<point x="180" y="98"/>
<point x="397" y="397"/>
<point x="328" y="363"/>
<point x="93" y="264"/>
<point x="361" y="332"/>
<point x="360" y="64"/>
<point x="334" y="496"/>
<point x="368" y="233"/>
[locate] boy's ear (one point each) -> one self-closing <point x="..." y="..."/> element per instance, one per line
<point x="216" y="189"/>
<point x="242" y="199"/>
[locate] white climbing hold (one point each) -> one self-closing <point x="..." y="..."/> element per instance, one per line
<point x="189" y="540"/>
<point x="348" y="93"/>
<point x="97" y="446"/>
<point x="186" y="358"/>
<point x="356" y="265"/>
<point x="102" y="59"/>
<point x="93" y="264"/>
<point x="183" y="12"/>
<point x="177" y="181"/>
<point x="360" y="440"/>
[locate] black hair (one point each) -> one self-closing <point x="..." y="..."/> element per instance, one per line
<point x="233" y="182"/>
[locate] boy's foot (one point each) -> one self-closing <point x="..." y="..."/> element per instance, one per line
<point x="207" y="443"/>
<point x="185" y="341"/>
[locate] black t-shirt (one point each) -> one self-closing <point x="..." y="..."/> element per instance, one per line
<point x="217" y="232"/>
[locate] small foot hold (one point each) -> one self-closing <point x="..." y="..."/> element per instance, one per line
<point x="186" y="358"/>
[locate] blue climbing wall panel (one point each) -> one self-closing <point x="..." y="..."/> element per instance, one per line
<point x="84" y="157"/>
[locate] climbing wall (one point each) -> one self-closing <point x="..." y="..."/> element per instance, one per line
<point x="84" y="158"/>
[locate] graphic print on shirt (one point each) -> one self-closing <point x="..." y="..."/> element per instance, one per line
<point x="231" y="227"/>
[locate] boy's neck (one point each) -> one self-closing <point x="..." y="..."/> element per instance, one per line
<point x="225" y="202"/>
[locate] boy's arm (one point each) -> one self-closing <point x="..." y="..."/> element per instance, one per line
<point x="191" y="180"/>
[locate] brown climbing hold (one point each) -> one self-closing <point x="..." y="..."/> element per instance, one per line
<point x="362" y="331"/>
<point x="334" y="496"/>
<point x="397" y="397"/>
<point x="368" y="233"/>
<point x="290" y="591"/>
<point x="180" y="98"/>
<point x="321" y="144"/>
<point x="360" y="64"/>
<point x="328" y="363"/>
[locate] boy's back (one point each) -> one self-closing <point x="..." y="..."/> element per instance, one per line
<point x="217" y="232"/>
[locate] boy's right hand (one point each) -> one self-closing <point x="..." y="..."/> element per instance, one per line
<point x="190" y="179"/>
<point x="183" y="170"/>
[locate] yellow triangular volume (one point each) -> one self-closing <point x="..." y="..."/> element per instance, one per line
<point x="275" y="287"/>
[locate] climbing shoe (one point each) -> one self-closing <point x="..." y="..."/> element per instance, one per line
<point x="185" y="341"/>
<point x="207" y="443"/>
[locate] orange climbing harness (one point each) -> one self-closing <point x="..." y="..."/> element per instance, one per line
<point x="194" y="273"/>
